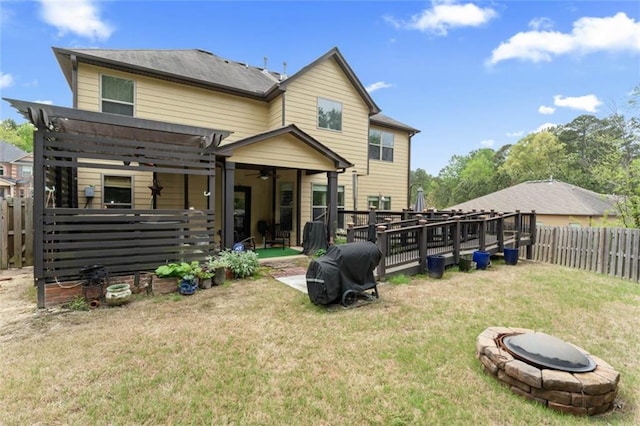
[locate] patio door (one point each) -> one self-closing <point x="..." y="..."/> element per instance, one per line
<point x="242" y="211"/>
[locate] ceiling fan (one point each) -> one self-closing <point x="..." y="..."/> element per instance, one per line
<point x="265" y="174"/>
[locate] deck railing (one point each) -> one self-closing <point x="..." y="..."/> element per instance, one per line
<point x="406" y="243"/>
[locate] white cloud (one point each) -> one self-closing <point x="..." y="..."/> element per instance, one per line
<point x="6" y="80"/>
<point x="615" y="33"/>
<point x="47" y="102"/>
<point x="544" y="127"/>
<point x="517" y="134"/>
<point x="541" y="24"/>
<point x="547" y="110"/>
<point x="487" y="143"/>
<point x="80" y="17"/>
<point x="444" y="15"/>
<point x="377" y="86"/>
<point x="589" y="103"/>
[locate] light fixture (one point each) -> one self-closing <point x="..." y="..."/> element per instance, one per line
<point x="264" y="177"/>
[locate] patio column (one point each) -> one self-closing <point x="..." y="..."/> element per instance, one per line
<point x="227" y="214"/>
<point x="332" y="211"/>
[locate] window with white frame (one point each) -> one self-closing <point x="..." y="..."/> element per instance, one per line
<point x="380" y="145"/>
<point x="117" y="95"/>
<point x="25" y="170"/>
<point x="329" y="114"/>
<point x="117" y="192"/>
<point x="320" y="202"/>
<point x="380" y="202"/>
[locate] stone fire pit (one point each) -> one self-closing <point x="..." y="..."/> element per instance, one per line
<point x="580" y="393"/>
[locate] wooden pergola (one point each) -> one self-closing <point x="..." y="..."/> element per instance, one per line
<point x="69" y="237"/>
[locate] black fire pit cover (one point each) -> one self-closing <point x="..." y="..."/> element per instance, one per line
<point x="543" y="350"/>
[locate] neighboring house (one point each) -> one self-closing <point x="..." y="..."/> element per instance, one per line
<point x="16" y="169"/>
<point x="296" y="142"/>
<point x="555" y="203"/>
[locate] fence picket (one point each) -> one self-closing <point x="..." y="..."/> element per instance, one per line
<point x="610" y="251"/>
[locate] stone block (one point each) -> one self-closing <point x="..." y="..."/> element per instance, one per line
<point x="528" y="396"/>
<point x="594" y="384"/>
<point x="570" y="409"/>
<point x="483" y="342"/>
<point x="561" y="397"/>
<point x="510" y="381"/>
<point x="524" y="373"/>
<point x="490" y="366"/>
<point x="592" y="411"/>
<point x="608" y="374"/>
<point x="583" y="400"/>
<point x="498" y="356"/>
<point x="560" y="380"/>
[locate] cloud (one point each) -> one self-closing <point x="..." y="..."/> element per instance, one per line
<point x="6" y="80"/>
<point x="517" y="134"/>
<point x="445" y="15"/>
<point x="541" y="24"/>
<point x="589" y="103"/>
<point x="47" y="102"/>
<point x="544" y="127"/>
<point x="377" y="85"/>
<point x="80" y="17"/>
<point x="615" y="33"/>
<point x="547" y="110"/>
<point x="487" y="143"/>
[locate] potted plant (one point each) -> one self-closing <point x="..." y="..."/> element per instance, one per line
<point x="217" y="266"/>
<point x="241" y="263"/>
<point x="185" y="272"/>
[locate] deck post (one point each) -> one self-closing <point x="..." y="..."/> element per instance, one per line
<point x="482" y="232"/>
<point x="500" y="232"/>
<point x="422" y="245"/>
<point x="456" y="239"/>
<point x="350" y="232"/>
<point x="381" y="242"/>
<point x="532" y="234"/>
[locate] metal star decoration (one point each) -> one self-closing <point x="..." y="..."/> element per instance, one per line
<point x="155" y="188"/>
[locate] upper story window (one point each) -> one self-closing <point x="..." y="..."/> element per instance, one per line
<point x="380" y="145"/>
<point x="117" y="95"/>
<point x="25" y="171"/>
<point x="329" y="114"/>
<point x="1" y="171"/>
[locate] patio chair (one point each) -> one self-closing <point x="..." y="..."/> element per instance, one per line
<point x="274" y="235"/>
<point x="249" y="243"/>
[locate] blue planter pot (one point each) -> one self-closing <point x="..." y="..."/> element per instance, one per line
<point x="435" y="266"/>
<point x="188" y="286"/>
<point x="482" y="259"/>
<point x="511" y="256"/>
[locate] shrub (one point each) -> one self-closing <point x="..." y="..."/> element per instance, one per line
<point x="242" y="263"/>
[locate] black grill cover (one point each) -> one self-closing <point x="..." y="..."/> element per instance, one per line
<point x="314" y="237"/>
<point x="344" y="267"/>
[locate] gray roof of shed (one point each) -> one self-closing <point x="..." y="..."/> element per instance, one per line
<point x="551" y="197"/>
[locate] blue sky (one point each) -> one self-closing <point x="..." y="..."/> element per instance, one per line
<point x="467" y="74"/>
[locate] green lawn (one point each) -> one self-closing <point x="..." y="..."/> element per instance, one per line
<point x="258" y="352"/>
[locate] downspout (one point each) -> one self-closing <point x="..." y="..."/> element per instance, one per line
<point x="411" y="135"/>
<point x="74" y="80"/>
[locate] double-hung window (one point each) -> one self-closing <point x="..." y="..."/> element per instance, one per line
<point x="380" y="145"/>
<point x="117" y="95"/>
<point x="380" y="202"/>
<point x="320" y="203"/>
<point x="329" y="114"/>
<point x="117" y="192"/>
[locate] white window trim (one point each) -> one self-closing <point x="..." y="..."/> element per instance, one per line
<point x="318" y="116"/>
<point x="115" y="101"/>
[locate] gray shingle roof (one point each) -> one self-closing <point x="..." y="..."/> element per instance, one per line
<point x="383" y="120"/>
<point x="192" y="64"/>
<point x="550" y="197"/>
<point x="9" y="153"/>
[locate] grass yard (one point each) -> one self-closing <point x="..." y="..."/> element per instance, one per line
<point x="256" y="352"/>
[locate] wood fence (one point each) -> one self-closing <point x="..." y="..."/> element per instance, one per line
<point x="611" y="251"/>
<point x="16" y="233"/>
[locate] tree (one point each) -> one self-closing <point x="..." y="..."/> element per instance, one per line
<point x="537" y="156"/>
<point x="20" y="135"/>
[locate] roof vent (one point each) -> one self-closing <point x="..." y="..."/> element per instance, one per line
<point x="283" y="76"/>
<point x="265" y="70"/>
